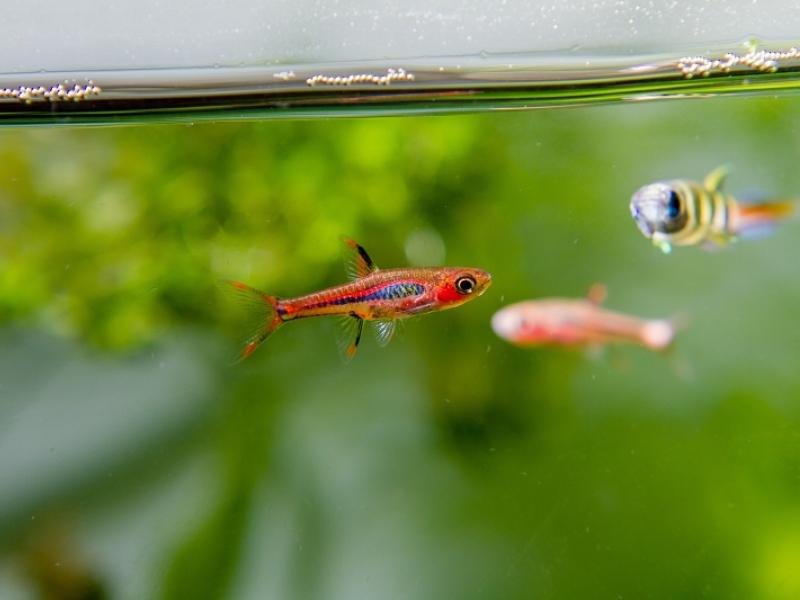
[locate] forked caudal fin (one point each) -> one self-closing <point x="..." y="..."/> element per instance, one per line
<point x="264" y="309"/>
<point x="758" y="220"/>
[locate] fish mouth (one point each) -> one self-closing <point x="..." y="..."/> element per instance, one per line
<point x="640" y="216"/>
<point x="483" y="281"/>
<point x="650" y="209"/>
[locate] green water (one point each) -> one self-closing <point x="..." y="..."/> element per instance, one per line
<point x="137" y="460"/>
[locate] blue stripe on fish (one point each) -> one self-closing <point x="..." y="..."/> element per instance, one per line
<point x="394" y="291"/>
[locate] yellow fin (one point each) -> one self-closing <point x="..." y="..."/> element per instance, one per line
<point x="714" y="180"/>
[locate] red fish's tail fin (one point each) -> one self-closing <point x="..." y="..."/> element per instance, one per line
<point x="756" y="220"/>
<point x="265" y="316"/>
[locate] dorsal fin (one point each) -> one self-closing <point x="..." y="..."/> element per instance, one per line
<point x="597" y="293"/>
<point x="357" y="264"/>
<point x="714" y="180"/>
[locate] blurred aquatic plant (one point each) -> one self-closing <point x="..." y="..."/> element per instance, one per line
<point x="53" y="564"/>
<point x="448" y="463"/>
<point x="114" y="235"/>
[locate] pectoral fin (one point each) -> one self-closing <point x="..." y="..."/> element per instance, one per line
<point x="665" y="247"/>
<point x="384" y="331"/>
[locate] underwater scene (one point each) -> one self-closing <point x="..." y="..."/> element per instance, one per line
<point x="554" y="405"/>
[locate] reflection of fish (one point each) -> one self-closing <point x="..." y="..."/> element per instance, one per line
<point x="578" y="322"/>
<point x="685" y="213"/>
<point x="382" y="296"/>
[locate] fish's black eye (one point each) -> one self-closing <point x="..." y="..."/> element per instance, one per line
<point x="465" y="285"/>
<point x="673" y="205"/>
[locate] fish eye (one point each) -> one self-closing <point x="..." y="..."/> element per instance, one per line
<point x="673" y="205"/>
<point x="465" y="284"/>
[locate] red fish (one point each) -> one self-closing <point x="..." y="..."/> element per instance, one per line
<point x="379" y="295"/>
<point x="581" y="322"/>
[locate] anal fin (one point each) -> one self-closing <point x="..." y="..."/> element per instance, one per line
<point x="350" y="336"/>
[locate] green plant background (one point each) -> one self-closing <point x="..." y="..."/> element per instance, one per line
<point x="135" y="456"/>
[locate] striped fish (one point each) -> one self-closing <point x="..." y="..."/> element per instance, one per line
<point x="688" y="213"/>
<point x="379" y="295"/>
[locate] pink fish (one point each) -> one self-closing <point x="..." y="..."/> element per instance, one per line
<point x="578" y="322"/>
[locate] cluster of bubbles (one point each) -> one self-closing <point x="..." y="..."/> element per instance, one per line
<point x="391" y="76"/>
<point x="766" y="61"/>
<point x="61" y="92"/>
